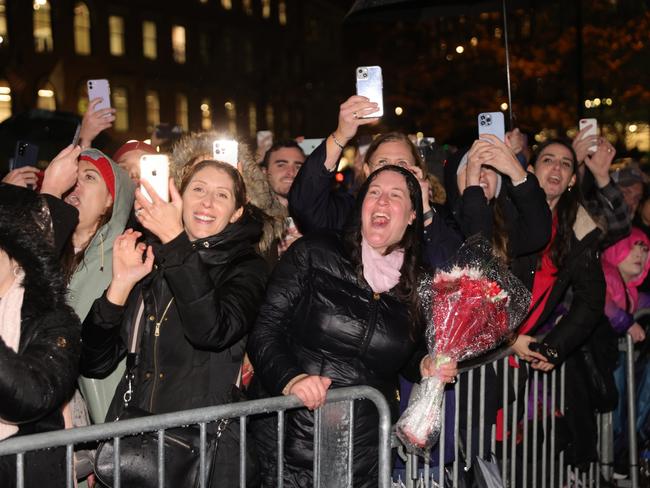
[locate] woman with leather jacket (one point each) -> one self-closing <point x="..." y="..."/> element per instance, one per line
<point x="343" y="310"/>
<point x="200" y="285"/>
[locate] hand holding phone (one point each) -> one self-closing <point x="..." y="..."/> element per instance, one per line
<point x="26" y="154"/>
<point x="99" y="89"/>
<point x="370" y="85"/>
<point x="154" y="169"/>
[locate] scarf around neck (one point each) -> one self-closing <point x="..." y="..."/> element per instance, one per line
<point x="381" y="272"/>
<point x="10" y="306"/>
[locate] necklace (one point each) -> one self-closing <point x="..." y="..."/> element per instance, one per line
<point x="162" y="317"/>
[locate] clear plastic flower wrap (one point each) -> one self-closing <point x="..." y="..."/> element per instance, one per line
<point x="471" y="306"/>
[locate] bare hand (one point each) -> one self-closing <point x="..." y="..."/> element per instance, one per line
<point x="515" y="140"/>
<point x="520" y="348"/>
<point x="350" y="116"/>
<point x="542" y="366"/>
<point x="312" y="390"/>
<point x="477" y="155"/>
<point x="61" y="173"/>
<point x="502" y="158"/>
<point x="132" y="261"/>
<point x="582" y="145"/>
<point x="163" y="219"/>
<point x="27" y="177"/>
<point x="600" y="162"/>
<point x="636" y="332"/>
<point x="445" y="372"/>
<point x="424" y="187"/>
<point x="94" y="122"/>
<point x="291" y="236"/>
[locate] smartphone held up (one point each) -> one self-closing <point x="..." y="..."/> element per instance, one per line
<point x="154" y="168"/>
<point x="492" y="123"/>
<point x="99" y="89"/>
<point x="591" y="125"/>
<point x="225" y="150"/>
<point x="370" y="85"/>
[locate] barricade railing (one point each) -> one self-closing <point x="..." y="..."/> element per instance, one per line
<point x="522" y="458"/>
<point x="339" y="410"/>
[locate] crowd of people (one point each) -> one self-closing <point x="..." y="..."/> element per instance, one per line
<point x="267" y="279"/>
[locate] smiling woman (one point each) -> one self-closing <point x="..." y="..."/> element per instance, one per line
<point x="198" y="303"/>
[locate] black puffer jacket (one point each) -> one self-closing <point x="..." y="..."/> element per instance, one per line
<point x="39" y="378"/>
<point x="319" y="318"/>
<point x="193" y="357"/>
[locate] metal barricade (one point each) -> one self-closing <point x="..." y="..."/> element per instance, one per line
<point x="327" y="474"/>
<point x="521" y="458"/>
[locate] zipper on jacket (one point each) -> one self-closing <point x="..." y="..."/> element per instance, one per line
<point x="155" y="357"/>
<point x="372" y="322"/>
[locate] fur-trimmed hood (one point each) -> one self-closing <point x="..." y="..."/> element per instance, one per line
<point x="198" y="146"/>
<point x="26" y="235"/>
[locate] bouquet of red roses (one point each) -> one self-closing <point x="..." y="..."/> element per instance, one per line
<point x="470" y="309"/>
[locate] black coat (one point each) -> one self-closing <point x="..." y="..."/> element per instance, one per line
<point x="319" y="318"/>
<point x="314" y="206"/>
<point x="217" y="284"/>
<point x="40" y="377"/>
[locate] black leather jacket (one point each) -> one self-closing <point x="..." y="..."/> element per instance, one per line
<point x="191" y="358"/>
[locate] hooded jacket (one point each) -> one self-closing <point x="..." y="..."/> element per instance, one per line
<point x="189" y="356"/>
<point x="92" y="277"/>
<point x="36" y="380"/>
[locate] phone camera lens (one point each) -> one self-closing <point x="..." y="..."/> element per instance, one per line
<point x="360" y="70"/>
<point x="365" y="75"/>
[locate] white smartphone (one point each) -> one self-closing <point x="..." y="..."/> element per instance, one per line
<point x="225" y="150"/>
<point x="99" y="89"/>
<point x="592" y="131"/>
<point x="370" y="84"/>
<point x="491" y="123"/>
<point x="308" y="145"/>
<point x="154" y="168"/>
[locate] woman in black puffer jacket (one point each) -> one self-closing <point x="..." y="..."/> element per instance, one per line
<point x="39" y="336"/>
<point x="344" y="311"/>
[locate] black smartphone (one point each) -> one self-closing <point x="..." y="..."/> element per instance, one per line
<point x="26" y="154"/>
<point x="545" y="350"/>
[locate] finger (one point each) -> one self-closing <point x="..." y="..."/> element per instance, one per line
<point x="325" y="381"/>
<point x="174" y="194"/>
<point x="537" y="356"/>
<point x="368" y="121"/>
<point x="94" y="102"/>
<point x="354" y="99"/>
<point x="152" y="193"/>
<point x="149" y="259"/>
<point x="141" y="200"/>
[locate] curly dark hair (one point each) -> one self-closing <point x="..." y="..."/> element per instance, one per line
<point x="407" y="287"/>
<point x="566" y="208"/>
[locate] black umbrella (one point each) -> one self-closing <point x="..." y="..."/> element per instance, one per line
<point x="417" y="10"/>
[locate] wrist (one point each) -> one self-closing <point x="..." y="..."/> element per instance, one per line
<point x="118" y="291"/>
<point x="51" y="190"/>
<point x="170" y="235"/>
<point x="339" y="139"/>
<point x="602" y="181"/>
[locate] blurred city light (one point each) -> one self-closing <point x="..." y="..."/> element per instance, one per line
<point x="399" y="110"/>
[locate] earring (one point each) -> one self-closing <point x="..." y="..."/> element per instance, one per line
<point x="569" y="189"/>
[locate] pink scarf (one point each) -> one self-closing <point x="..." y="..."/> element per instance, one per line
<point x="381" y="272"/>
<point x="10" y="306"/>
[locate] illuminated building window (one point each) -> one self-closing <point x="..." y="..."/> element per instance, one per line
<point x="149" y="40"/>
<point x="227" y="4"/>
<point x="206" y="114"/>
<point x="46" y="99"/>
<point x="3" y="23"/>
<point x="121" y="106"/>
<point x="5" y="100"/>
<point x="247" y="5"/>
<point x="270" y="117"/>
<point x="231" y="114"/>
<point x="43" y="41"/>
<point x="178" y="43"/>
<point x="266" y="8"/>
<point x="182" y="112"/>
<point x="116" y="35"/>
<point x="252" y="119"/>
<point x="282" y="12"/>
<point x="82" y="99"/>
<point x="152" y="104"/>
<point x="81" y="29"/>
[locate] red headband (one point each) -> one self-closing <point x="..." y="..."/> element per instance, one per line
<point x="134" y="146"/>
<point x="104" y="167"/>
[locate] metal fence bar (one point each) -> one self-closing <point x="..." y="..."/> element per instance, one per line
<point x="504" y="430"/>
<point x="544" y="424"/>
<point x="69" y="466"/>
<point x="117" y="480"/>
<point x="202" y="454"/>
<point x="280" y="482"/>
<point x="456" y="429"/>
<point x="513" y="433"/>
<point x="525" y="441"/>
<point x="441" y="443"/>
<point x="242" y="452"/>
<point x="631" y="412"/>
<point x="351" y="444"/>
<point x="20" y="470"/>
<point x="481" y="413"/>
<point x="552" y="442"/>
<point x="470" y="400"/>
<point x="161" y="458"/>
<point x="317" y="438"/>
